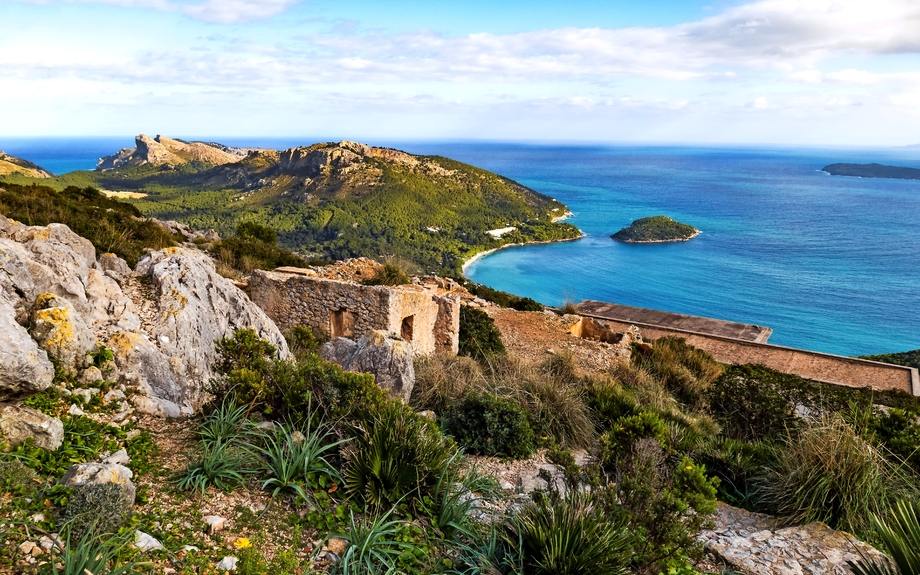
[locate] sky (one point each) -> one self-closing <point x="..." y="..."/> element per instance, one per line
<point x="785" y="72"/>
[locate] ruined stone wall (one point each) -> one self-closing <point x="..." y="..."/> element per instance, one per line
<point x="826" y="368"/>
<point x="427" y="321"/>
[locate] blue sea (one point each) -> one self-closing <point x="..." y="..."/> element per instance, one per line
<point x="830" y="263"/>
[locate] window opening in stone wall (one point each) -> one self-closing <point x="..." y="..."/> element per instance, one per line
<point x="342" y="323"/>
<point x="408" y="324"/>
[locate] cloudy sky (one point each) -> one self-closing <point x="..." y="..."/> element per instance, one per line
<point x="815" y="72"/>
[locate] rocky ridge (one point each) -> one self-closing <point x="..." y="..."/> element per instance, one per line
<point x="172" y="152"/>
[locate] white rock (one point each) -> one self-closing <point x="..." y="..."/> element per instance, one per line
<point x="227" y="564"/>
<point x="120" y="457"/>
<point x="215" y="523"/>
<point x="146" y="542"/>
<point x="74" y="410"/>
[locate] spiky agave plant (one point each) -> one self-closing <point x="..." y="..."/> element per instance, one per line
<point x="900" y="533"/>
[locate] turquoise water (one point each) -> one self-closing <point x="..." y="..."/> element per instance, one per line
<point x="830" y="263"/>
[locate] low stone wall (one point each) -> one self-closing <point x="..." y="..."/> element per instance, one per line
<point x="429" y="322"/>
<point x="822" y="367"/>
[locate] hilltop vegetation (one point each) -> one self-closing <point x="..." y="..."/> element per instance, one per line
<point x="336" y="200"/>
<point x="655" y="229"/>
<point x="908" y="358"/>
<point x="13" y="165"/>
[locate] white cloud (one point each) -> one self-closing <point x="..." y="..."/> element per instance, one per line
<point x="851" y="76"/>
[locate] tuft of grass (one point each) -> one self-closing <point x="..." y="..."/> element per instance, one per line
<point x="373" y="545"/>
<point x="226" y="425"/>
<point x="294" y="458"/>
<point x="392" y="273"/>
<point x="94" y="554"/>
<point x="223" y="466"/>
<point x="685" y="371"/>
<point x="829" y="473"/>
<point x="571" y="535"/>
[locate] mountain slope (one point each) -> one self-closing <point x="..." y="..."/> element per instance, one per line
<point x="334" y="199"/>
<point x="13" y="165"/>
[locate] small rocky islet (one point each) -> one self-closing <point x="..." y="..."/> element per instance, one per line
<point x="655" y="229"/>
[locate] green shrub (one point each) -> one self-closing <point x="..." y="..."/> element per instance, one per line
<point x="226" y="425"/>
<point x="751" y="402"/>
<point x="898" y="431"/>
<point x="245" y="350"/>
<point x="737" y="464"/>
<point x="237" y="256"/>
<point x="900" y="534"/>
<point x="258" y="232"/>
<point x="503" y="299"/>
<point x="302" y="341"/>
<point x="93" y="510"/>
<point x="479" y="338"/>
<point x="488" y="425"/>
<point x="442" y="380"/>
<point x="685" y="371"/>
<point x="570" y="535"/>
<point x="829" y="473"/>
<point x="16" y="477"/>
<point x="609" y="402"/>
<point x="396" y="455"/>
<point x="626" y="432"/>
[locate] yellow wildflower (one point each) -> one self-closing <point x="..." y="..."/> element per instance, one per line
<point x="242" y="543"/>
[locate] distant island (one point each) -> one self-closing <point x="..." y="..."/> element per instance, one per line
<point x="872" y="171"/>
<point x="655" y="229"/>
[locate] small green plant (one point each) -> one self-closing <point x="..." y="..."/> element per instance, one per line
<point x="900" y="533"/>
<point x="226" y="425"/>
<point x="397" y="456"/>
<point x="452" y="499"/>
<point x="570" y="535"/>
<point x="373" y="545"/>
<point x="295" y="459"/>
<point x="479" y="338"/>
<point x="102" y="356"/>
<point x="223" y="466"/>
<point x="489" y="425"/>
<point x="303" y="341"/>
<point x="609" y="402"/>
<point x="94" y="554"/>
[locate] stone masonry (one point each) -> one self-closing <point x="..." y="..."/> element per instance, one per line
<point x="429" y="321"/>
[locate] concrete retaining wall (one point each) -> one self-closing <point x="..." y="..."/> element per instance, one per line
<point x="822" y="367"/>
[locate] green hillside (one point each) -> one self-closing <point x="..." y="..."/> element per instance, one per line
<point x="908" y="358"/>
<point x="345" y="200"/>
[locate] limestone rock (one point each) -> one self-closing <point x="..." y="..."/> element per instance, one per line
<point x="109" y="309"/>
<point x="227" y="564"/>
<point x="24" y="367"/>
<point x="146" y="542"/>
<point x="60" y="330"/>
<point x="112" y="263"/>
<point x="99" y="474"/>
<point x="120" y="457"/>
<point x="380" y="353"/>
<point x="197" y="306"/>
<point x="215" y="523"/>
<point x="19" y="423"/>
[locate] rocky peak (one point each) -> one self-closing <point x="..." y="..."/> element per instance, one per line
<point x="164" y="150"/>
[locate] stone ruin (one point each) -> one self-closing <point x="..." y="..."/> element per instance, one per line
<point x="427" y="317"/>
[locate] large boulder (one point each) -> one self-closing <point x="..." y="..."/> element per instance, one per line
<point x="20" y="423"/>
<point x="197" y="306"/>
<point x="383" y="354"/>
<point x="24" y="368"/>
<point x="61" y="331"/>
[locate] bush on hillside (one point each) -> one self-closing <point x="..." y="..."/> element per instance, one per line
<point x="96" y="509"/>
<point x="479" y="338"/>
<point x="503" y="299"/>
<point x="488" y="425"/>
<point x="252" y="230"/>
<point x="391" y="274"/>
<point x="112" y="226"/>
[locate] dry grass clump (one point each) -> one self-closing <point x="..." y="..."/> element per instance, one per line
<point x="685" y="371"/>
<point x="829" y="473"/>
<point x="551" y="393"/>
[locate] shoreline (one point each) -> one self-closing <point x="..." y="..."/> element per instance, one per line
<point x="696" y="233"/>
<point x="481" y="255"/>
